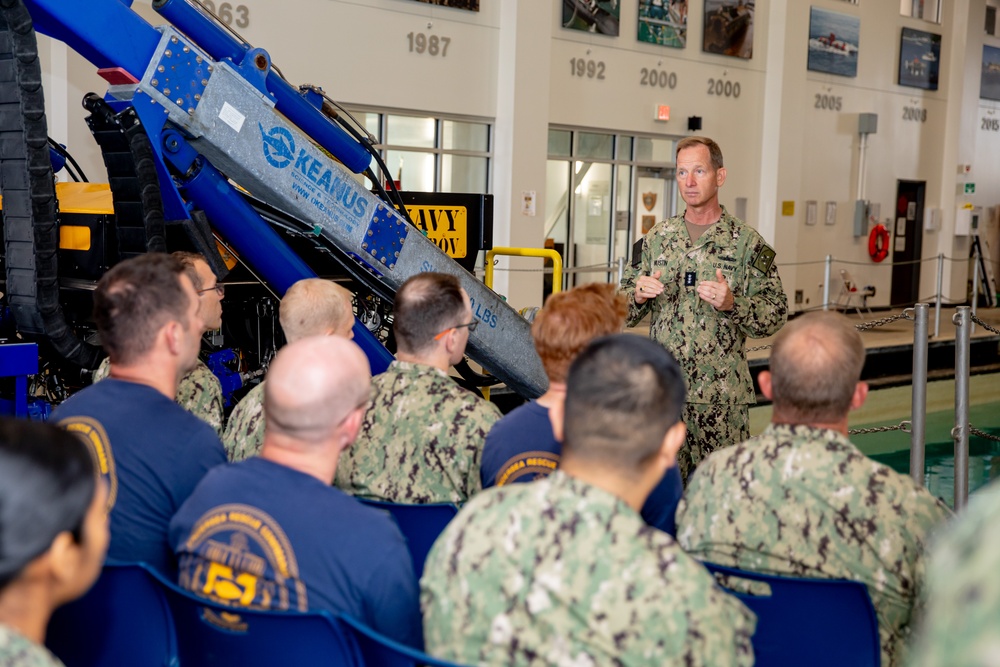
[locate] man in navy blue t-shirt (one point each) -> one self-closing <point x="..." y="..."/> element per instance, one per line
<point x="271" y="532"/>
<point x="522" y="447"/>
<point x="151" y="451"/>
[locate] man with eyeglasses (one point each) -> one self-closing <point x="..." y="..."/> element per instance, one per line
<point x="199" y="391"/>
<point x="422" y="437"/>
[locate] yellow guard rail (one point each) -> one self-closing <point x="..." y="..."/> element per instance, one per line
<point x="545" y="253"/>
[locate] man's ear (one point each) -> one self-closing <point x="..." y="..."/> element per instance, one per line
<point x="173" y="333"/>
<point x="556" y="415"/>
<point x="720" y="176"/>
<point x="672" y="443"/>
<point x="860" y="394"/>
<point x="63" y="557"/>
<point x="764" y="379"/>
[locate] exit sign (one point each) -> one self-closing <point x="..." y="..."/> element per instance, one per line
<point x="970" y="188"/>
<point x="662" y="112"/>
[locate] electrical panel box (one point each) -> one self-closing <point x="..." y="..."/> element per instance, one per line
<point x="867" y="123"/>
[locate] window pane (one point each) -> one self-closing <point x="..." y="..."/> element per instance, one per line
<point x="592" y="216"/>
<point x="456" y="135"/>
<point x="369" y="121"/>
<point x="415" y="171"/>
<point x="560" y="143"/>
<point x="594" y="145"/>
<point x="556" y="211"/>
<point x="624" y="148"/>
<point x="409" y="131"/>
<point x="463" y="174"/>
<point x="654" y="150"/>
<point x="623" y="202"/>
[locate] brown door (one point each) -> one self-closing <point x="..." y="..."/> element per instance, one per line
<point x="906" y="238"/>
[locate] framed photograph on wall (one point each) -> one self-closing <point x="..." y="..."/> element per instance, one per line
<point x="663" y="22"/>
<point x="989" y="81"/>
<point x="597" y="16"/>
<point x="471" y="5"/>
<point x="833" y="42"/>
<point x="729" y="28"/>
<point x="919" y="59"/>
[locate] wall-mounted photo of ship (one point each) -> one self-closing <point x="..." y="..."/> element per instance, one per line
<point x="919" y="59"/>
<point x="989" y="82"/>
<point x="663" y="22"/>
<point x="729" y="27"/>
<point x="833" y="42"/>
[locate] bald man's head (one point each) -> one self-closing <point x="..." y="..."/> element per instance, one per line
<point x="312" y="385"/>
<point x="315" y="307"/>
<point x="816" y="364"/>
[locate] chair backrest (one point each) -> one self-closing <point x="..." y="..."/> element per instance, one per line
<point x="380" y="651"/>
<point x="848" y="281"/>
<point x="816" y="622"/>
<point x="123" y="620"/>
<point x="420" y="525"/>
<point x="209" y="633"/>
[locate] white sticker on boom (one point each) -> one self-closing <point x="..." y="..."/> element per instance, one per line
<point x="231" y="117"/>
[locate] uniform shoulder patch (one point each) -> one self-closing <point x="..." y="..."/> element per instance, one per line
<point x="763" y="258"/>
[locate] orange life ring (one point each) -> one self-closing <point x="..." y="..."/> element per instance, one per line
<point x="878" y="243"/>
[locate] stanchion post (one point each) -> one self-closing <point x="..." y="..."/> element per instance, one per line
<point x="937" y="297"/>
<point x="960" y="434"/>
<point x="621" y="269"/>
<point x="975" y="283"/>
<point x="826" y="282"/>
<point x="919" y="408"/>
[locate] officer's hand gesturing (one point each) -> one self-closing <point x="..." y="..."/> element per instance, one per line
<point x="648" y="287"/>
<point x="717" y="292"/>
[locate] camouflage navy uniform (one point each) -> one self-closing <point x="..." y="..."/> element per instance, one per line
<point x="559" y="572"/>
<point x="16" y="650"/>
<point x="199" y="392"/>
<point x="804" y="501"/>
<point x="245" y="430"/>
<point x="961" y="626"/>
<point x="709" y="344"/>
<point x="421" y="440"/>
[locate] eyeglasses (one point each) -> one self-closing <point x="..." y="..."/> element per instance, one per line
<point x="218" y="287"/>
<point x="472" y="327"/>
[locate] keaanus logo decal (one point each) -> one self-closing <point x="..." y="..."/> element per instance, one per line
<point x="279" y="146"/>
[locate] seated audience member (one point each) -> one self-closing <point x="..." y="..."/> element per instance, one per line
<point x="801" y="500"/>
<point x="961" y="618"/>
<point x="310" y="307"/>
<point x="521" y="446"/>
<point x="271" y="533"/>
<point x="564" y="571"/>
<point x="422" y="437"/>
<point x="53" y="534"/>
<point x="199" y="391"/>
<point x="151" y="451"/>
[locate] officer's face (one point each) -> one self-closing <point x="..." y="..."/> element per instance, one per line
<point x="463" y="332"/>
<point x="698" y="182"/>
<point x="195" y="326"/>
<point x="210" y="301"/>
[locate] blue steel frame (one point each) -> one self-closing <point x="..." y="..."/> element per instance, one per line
<point x="83" y="26"/>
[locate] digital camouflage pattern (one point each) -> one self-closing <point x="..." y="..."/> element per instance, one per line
<point x="245" y="430"/>
<point x="421" y="440"/>
<point x="961" y="625"/>
<point x="559" y="572"/>
<point x="804" y="501"/>
<point x="17" y="650"/>
<point x="709" y="344"/>
<point x="199" y="392"/>
<point x="707" y="426"/>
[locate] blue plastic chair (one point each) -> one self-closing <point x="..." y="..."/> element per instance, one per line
<point x="420" y="524"/>
<point x="209" y="633"/>
<point x="123" y="620"/>
<point x="816" y="622"/>
<point x="380" y="651"/>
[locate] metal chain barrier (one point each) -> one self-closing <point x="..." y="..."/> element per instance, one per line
<point x="983" y="434"/>
<point x="985" y="325"/>
<point x="881" y="322"/>
<point x="903" y="426"/>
